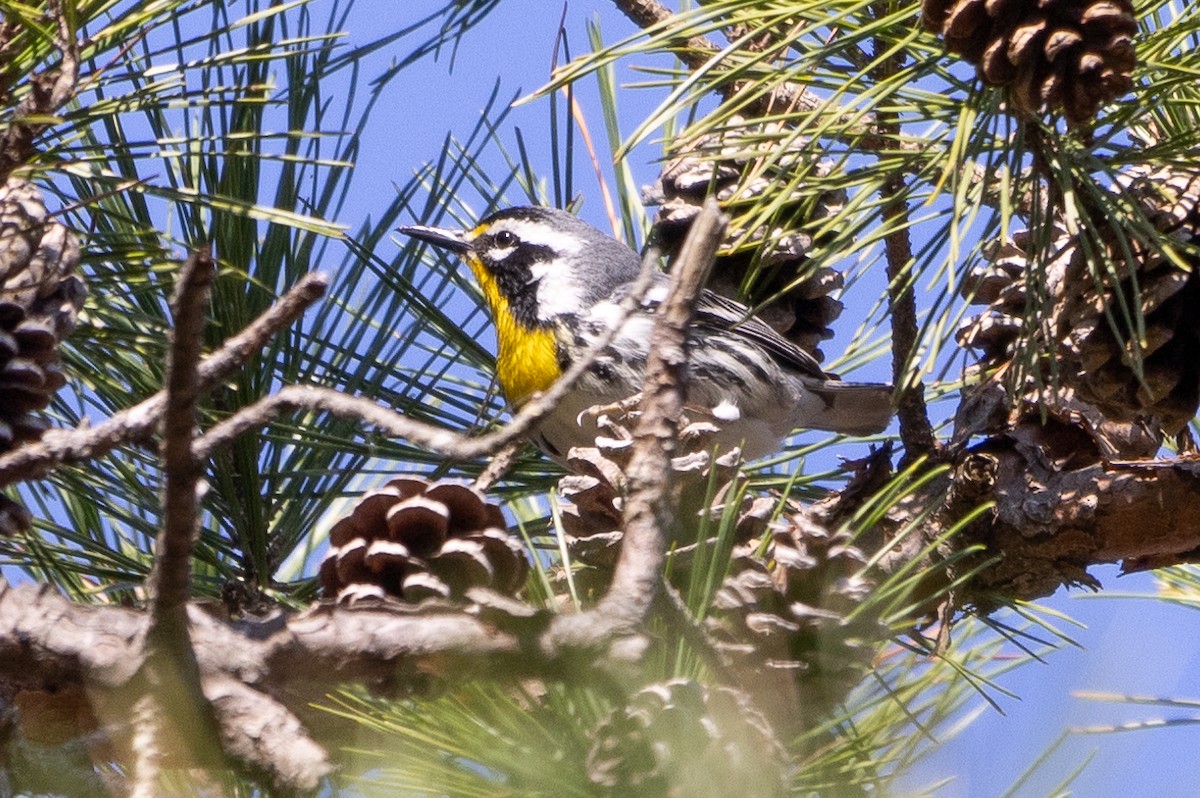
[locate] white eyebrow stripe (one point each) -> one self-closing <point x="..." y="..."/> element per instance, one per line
<point x="539" y="235"/>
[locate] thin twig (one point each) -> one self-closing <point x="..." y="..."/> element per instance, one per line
<point x="498" y="466"/>
<point x="447" y="442"/>
<point x="313" y="398"/>
<point x="864" y="131"/>
<point x="174" y="696"/>
<point x="916" y="433"/>
<point x="170" y="583"/>
<point x="648" y="508"/>
<point x="141" y="421"/>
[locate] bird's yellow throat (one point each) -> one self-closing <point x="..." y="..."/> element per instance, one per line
<point x="526" y="362"/>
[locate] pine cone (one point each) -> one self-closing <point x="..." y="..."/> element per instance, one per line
<point x="1071" y="54"/>
<point x="414" y="540"/>
<point x="1168" y="294"/>
<point x="1000" y="283"/>
<point x="1095" y="362"/>
<point x="738" y="166"/>
<point x="596" y="486"/>
<point x="682" y="739"/>
<point x="40" y="297"/>
<point x="783" y="618"/>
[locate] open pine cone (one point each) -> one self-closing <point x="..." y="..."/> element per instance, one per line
<point x="1169" y="296"/>
<point x="596" y="487"/>
<point x="789" y="620"/>
<point x="1085" y="329"/>
<point x="1075" y="55"/>
<point x="413" y="539"/>
<point x="680" y="738"/>
<point x="40" y="297"/>
<point x="739" y="166"/>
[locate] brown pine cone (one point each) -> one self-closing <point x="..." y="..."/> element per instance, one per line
<point x="680" y="738"/>
<point x="1084" y="324"/>
<point x="1000" y="284"/>
<point x="1102" y="361"/>
<point x="738" y="166"/>
<point x="413" y="539"/>
<point x="596" y="487"/>
<point x="1075" y="55"/>
<point x="789" y="620"/>
<point x="40" y="296"/>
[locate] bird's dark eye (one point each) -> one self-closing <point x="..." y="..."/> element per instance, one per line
<point x="505" y="239"/>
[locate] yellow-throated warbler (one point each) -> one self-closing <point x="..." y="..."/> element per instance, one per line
<point x="554" y="283"/>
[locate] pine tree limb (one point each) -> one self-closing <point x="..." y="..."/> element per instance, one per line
<point x="916" y="432"/>
<point x="139" y="423"/>
<point x="170" y="581"/>
<point x="647" y="513"/>
<point x="452" y="444"/>
<point x="173" y="697"/>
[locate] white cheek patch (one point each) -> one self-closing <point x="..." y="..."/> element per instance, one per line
<point x="540" y="270"/>
<point x="556" y="290"/>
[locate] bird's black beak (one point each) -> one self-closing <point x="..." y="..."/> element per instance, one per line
<point x="450" y="240"/>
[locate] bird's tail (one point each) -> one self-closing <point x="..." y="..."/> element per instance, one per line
<point x="852" y="408"/>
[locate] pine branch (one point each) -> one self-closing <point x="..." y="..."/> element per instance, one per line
<point x="1142" y="514"/>
<point x="648" y="506"/>
<point x="174" y="698"/>
<point x="170" y="582"/>
<point x="451" y="444"/>
<point x="916" y="432"/>
<point x="288" y="661"/>
<point x="139" y="423"/>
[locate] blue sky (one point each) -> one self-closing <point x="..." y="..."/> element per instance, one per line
<point x="1129" y="646"/>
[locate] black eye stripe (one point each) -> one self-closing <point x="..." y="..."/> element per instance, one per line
<point x="513" y="271"/>
<point x="520" y="255"/>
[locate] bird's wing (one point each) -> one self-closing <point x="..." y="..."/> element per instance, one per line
<point x="716" y="312"/>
